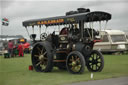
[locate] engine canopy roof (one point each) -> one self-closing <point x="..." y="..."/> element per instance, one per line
<point x="70" y="19"/>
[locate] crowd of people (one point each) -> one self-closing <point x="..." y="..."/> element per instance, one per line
<point x="15" y="49"/>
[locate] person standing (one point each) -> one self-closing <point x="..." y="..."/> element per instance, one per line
<point x="10" y="48"/>
<point x="20" y="49"/>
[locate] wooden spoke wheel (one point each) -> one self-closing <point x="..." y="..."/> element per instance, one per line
<point x="75" y="62"/>
<point x="42" y="58"/>
<point x="95" y="62"/>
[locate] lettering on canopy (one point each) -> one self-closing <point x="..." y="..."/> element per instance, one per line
<point x="50" y="21"/>
<point x="32" y="24"/>
<point x="71" y="19"/>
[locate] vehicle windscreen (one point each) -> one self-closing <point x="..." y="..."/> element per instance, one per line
<point x="118" y="38"/>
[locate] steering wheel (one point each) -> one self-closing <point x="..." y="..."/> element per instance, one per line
<point x="43" y="36"/>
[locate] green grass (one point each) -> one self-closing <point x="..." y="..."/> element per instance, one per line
<point x="14" y="71"/>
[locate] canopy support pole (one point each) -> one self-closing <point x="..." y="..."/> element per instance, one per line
<point x="81" y="26"/>
<point x="40" y="30"/>
<point x="106" y="25"/>
<point x="92" y="30"/>
<point x="33" y="30"/>
<point x="100" y="25"/>
<point x="88" y="30"/>
<point x="100" y="28"/>
<point x="45" y="29"/>
<point x="59" y="28"/>
<point x="90" y="25"/>
<point x="27" y="32"/>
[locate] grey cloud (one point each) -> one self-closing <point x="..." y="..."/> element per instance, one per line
<point x="18" y="11"/>
<point x="6" y="3"/>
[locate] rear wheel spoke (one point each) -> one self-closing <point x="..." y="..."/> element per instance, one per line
<point x="44" y="53"/>
<point x="36" y="55"/>
<point x="38" y="63"/>
<point x="39" y="49"/>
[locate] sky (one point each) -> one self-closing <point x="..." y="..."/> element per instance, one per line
<point x="18" y="11"/>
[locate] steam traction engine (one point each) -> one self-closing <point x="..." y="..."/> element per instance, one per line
<point x="72" y="47"/>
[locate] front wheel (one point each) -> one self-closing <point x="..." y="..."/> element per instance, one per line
<point x="75" y="62"/>
<point x="95" y="62"/>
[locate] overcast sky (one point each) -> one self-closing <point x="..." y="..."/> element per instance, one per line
<point x="18" y="11"/>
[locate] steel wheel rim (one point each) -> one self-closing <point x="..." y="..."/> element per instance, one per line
<point x="74" y="63"/>
<point x="95" y="62"/>
<point x="40" y="58"/>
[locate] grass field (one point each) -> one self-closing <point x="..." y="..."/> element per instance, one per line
<point x="14" y="71"/>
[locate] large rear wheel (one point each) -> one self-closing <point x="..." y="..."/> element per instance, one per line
<point x="95" y="62"/>
<point x="42" y="58"/>
<point x="75" y="62"/>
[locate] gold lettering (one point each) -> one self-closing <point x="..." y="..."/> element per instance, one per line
<point x="51" y="21"/>
<point x="71" y="19"/>
<point x="42" y="22"/>
<point x="61" y="20"/>
<point x="45" y="22"/>
<point x="57" y="21"/>
<point x="38" y="23"/>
